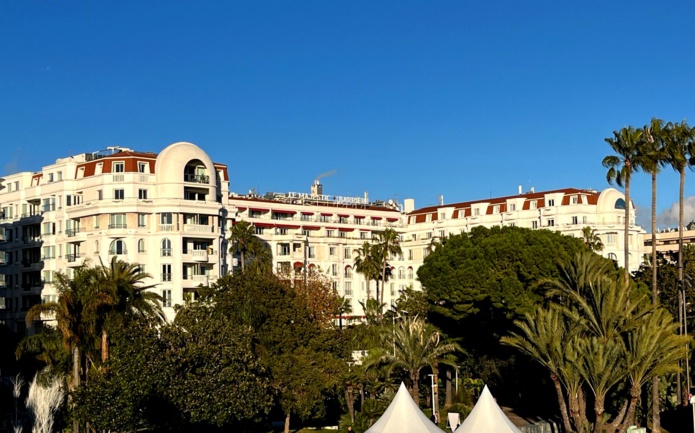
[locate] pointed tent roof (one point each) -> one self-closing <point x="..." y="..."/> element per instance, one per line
<point x="403" y="415"/>
<point x="487" y="417"/>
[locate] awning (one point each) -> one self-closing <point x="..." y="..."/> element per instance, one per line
<point x="285" y="211"/>
<point x="392" y="219"/>
<point x="376" y="218"/>
<point x="284" y="226"/>
<point x="365" y="230"/>
<point x="345" y="229"/>
<point x="264" y="224"/>
<point x="311" y="227"/>
<point x="304" y="212"/>
<point x="326" y="214"/>
<point x="359" y="217"/>
<point x="258" y="209"/>
<point x="241" y="208"/>
<point x="344" y="215"/>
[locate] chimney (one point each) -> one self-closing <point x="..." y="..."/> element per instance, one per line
<point x="521" y="190"/>
<point x="409" y="205"/>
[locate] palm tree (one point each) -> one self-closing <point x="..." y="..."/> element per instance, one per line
<point x="130" y="299"/>
<point x="680" y="151"/>
<point x="242" y="237"/>
<point x="388" y="245"/>
<point x="344" y="307"/>
<point x="591" y="239"/>
<point x="366" y="264"/>
<point x="653" y="157"/>
<point x="416" y="345"/>
<point x="625" y="143"/>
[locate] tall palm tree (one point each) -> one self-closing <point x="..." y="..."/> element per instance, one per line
<point x="625" y="143"/>
<point x="416" y="345"/>
<point x="388" y="242"/>
<point x="131" y="299"/>
<point x="680" y="151"/>
<point x="653" y="157"/>
<point x="366" y="263"/>
<point x="242" y="237"/>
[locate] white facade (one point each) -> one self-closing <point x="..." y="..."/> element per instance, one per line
<point x="171" y="213"/>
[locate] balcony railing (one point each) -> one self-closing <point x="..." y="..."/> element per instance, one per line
<point x="118" y="178"/>
<point x="166" y="252"/>
<point x="196" y="178"/>
<point x="166" y="227"/>
<point x="118" y="226"/>
<point x="166" y="277"/>
<point x="71" y="258"/>
<point x="198" y="228"/>
<point x="200" y="255"/>
<point x="72" y="232"/>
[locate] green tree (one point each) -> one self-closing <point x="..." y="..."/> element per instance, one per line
<point x="591" y="239"/>
<point x="366" y="262"/>
<point x="250" y="248"/>
<point x="388" y="245"/>
<point x="416" y="345"/>
<point x="626" y="144"/>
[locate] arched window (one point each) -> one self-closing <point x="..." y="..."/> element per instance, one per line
<point x="620" y="204"/>
<point x="410" y="273"/>
<point x="141" y="246"/>
<point x="117" y="247"/>
<point x="401" y="273"/>
<point x="348" y="271"/>
<point x="166" y="247"/>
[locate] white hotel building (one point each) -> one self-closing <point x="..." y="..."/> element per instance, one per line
<point x="171" y="213"/>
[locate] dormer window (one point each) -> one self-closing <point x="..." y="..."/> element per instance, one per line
<point x="496" y="209"/>
<point x="119" y="167"/>
<point x="551" y="202"/>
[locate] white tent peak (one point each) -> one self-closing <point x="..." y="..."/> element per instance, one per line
<point x="487" y="417"/>
<point x="403" y="415"/>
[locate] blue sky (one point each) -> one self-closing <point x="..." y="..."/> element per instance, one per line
<point x="403" y="99"/>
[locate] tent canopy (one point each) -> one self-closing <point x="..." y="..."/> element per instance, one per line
<point x="403" y="415"/>
<point x="487" y="417"/>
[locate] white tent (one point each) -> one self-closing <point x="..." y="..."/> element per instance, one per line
<point x="404" y="416"/>
<point x="487" y="417"/>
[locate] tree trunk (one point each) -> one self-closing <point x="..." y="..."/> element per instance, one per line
<point x="243" y="261"/>
<point x="383" y="278"/>
<point x="435" y="393"/>
<point x="630" y="416"/>
<point x="656" y="410"/>
<point x="581" y="400"/>
<point x="561" y="402"/>
<point x="448" y="401"/>
<point x="75" y="380"/>
<point x="350" y="400"/>
<point x="415" y="388"/>
<point x="621" y="420"/>
<point x="287" y="422"/>
<point x="598" y="413"/>
<point x="681" y="277"/>
<point x="627" y="231"/>
<point x="366" y="281"/>
<point x="104" y="346"/>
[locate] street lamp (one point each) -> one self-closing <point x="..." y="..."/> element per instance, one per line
<point x="434" y="401"/>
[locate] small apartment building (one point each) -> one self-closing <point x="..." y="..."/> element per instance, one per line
<point x="164" y="212"/>
<point x="566" y="211"/>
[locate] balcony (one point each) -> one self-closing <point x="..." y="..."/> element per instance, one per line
<point x="198" y="228"/>
<point x="118" y="226"/>
<point x="74" y="260"/>
<point x="31" y="265"/>
<point x="200" y="255"/>
<point x="196" y="178"/>
<point x="71" y="233"/>
<point x="31" y="240"/>
<point x="166" y="228"/>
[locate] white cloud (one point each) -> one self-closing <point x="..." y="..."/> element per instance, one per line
<point x="669" y="217"/>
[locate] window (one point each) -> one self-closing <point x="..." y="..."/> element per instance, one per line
<point x="348" y="272"/>
<point x="118" y="194"/>
<point x="311" y="252"/>
<point x="347" y="285"/>
<point x="401" y="273"/>
<point x="117" y="247"/>
<point x="142" y="220"/>
<point x="141" y="246"/>
<point x="166" y="248"/>
<point x="610" y="238"/>
<point x="117" y="221"/>
<point x="575" y="199"/>
<point x="142" y="167"/>
<point x="346" y="253"/>
<point x="96" y="221"/>
<point x="305" y="217"/>
<point x="425" y="252"/>
<point x="410" y="254"/>
<point x="50" y="177"/>
<point x="551" y="222"/>
<point x="534" y="224"/>
<point x="496" y="209"/>
<point x="166" y="218"/>
<point x="282" y="231"/>
<point x="259" y="230"/>
<point x="334" y="269"/>
<point x="584" y="220"/>
<point x="166" y="272"/>
<point x="364" y="235"/>
<point x="410" y="273"/>
<point x="533" y="204"/>
<point x="332" y="251"/>
<point x="512" y="207"/>
<point x="100" y="195"/>
<point x="575" y="220"/>
<point x="342" y="220"/>
<point x="284" y="249"/>
<point x="428" y="235"/>
<point x="330" y="233"/>
<point x="166" y="298"/>
<point x="119" y="167"/>
<point x="142" y="194"/>
<point x="476" y="211"/>
<point x="551" y="202"/>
